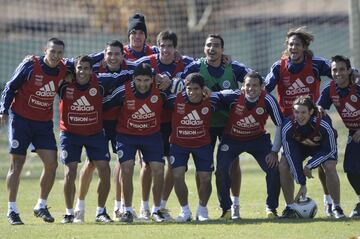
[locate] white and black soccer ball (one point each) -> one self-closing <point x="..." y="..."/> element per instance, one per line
<point x="177" y="85"/>
<point x="305" y="208"/>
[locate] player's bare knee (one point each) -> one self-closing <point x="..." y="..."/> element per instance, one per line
<point x="329" y="167"/>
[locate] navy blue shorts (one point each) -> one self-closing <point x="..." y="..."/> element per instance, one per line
<point x="151" y="147"/>
<point x="23" y="132"/>
<point x="110" y="132"/>
<point x="71" y="147"/>
<point x="203" y="157"/>
<point x="352" y="157"/>
<point x="165" y="129"/>
<point x="215" y="133"/>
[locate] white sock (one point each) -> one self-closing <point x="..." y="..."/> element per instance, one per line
<point x="155" y="209"/>
<point x="12" y="207"/>
<point x="327" y="199"/>
<point x="80" y="205"/>
<point x="186" y="209"/>
<point x="117" y="205"/>
<point x="163" y="204"/>
<point x="69" y="211"/>
<point x="41" y="203"/>
<point x="128" y="209"/>
<point x="145" y="205"/>
<point x="99" y="210"/>
<point x="236" y="201"/>
<point x="201" y="208"/>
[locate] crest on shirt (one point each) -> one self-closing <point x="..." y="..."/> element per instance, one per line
<point x="353" y="98"/>
<point x="130" y="104"/>
<point x="93" y="91"/>
<point x="154" y="99"/>
<point x="204" y="110"/>
<point x="39" y="80"/>
<point x="180" y="109"/>
<point x="226" y="84"/>
<point x="260" y="111"/>
<point x="310" y="79"/>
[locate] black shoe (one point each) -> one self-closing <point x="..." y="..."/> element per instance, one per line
<point x="14" y="218"/>
<point x="127" y="217"/>
<point x="44" y="214"/>
<point x="103" y="217"/>
<point x="157" y="216"/>
<point x="288" y="213"/>
<point x="67" y="219"/>
<point x="338" y="212"/>
<point x="356" y="212"/>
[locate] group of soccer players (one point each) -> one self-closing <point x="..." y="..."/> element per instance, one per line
<point x="163" y="106"/>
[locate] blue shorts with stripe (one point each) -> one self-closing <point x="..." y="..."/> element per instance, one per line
<point x="23" y="132"/>
<point x="203" y="157"/>
<point x="71" y="146"/>
<point x="151" y="147"/>
<point x="110" y="132"/>
<point x="352" y="157"/>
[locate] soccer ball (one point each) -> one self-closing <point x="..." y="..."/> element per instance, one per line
<point x="305" y="208"/>
<point x="177" y="85"/>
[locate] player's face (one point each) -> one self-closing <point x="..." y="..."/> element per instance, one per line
<point x="167" y="51"/>
<point x="340" y="73"/>
<point x="213" y="50"/>
<point x="296" y="49"/>
<point x="252" y="88"/>
<point x="302" y="114"/>
<point x="194" y="92"/>
<point x="83" y="72"/>
<point x="143" y="83"/>
<point x="53" y="54"/>
<point x="137" y="39"/>
<point x="113" y="57"/>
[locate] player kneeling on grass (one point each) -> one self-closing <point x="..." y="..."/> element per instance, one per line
<point x="81" y="126"/>
<point x="308" y="134"/>
<point x="245" y="132"/>
<point x="191" y="124"/>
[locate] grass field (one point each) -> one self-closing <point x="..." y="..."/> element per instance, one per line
<point x="252" y="225"/>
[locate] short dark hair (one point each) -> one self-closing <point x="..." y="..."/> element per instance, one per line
<point x="254" y="75"/>
<point x="195" y="78"/>
<point x="218" y="36"/>
<point x="83" y="58"/>
<point x="143" y="69"/>
<point x="167" y="35"/>
<point x="56" y="41"/>
<point x="116" y="43"/>
<point x="340" y="58"/>
<point x="306" y="100"/>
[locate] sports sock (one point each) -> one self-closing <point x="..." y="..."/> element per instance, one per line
<point x="236" y="201"/>
<point x="185" y="209"/>
<point x="80" y="205"/>
<point x="163" y="203"/>
<point x="155" y="209"/>
<point x="327" y="199"/>
<point x="99" y="210"/>
<point x="145" y="205"/>
<point x="41" y="203"/>
<point x="117" y="205"/>
<point x="128" y="209"/>
<point x="69" y="211"/>
<point x="12" y="207"/>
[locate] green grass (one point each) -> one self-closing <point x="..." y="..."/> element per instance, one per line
<point x="252" y="200"/>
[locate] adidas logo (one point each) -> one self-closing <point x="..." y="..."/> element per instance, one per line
<point x="349" y="111"/>
<point x="47" y="90"/>
<point x="192" y="118"/>
<point x="82" y="104"/>
<point x="247" y="122"/>
<point x="143" y="113"/>
<point x="297" y="88"/>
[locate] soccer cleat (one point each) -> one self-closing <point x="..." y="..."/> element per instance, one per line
<point x="338" y="212"/>
<point x="166" y="214"/>
<point x="235" y="212"/>
<point x="157" y="216"/>
<point x="117" y="215"/>
<point x="328" y="210"/>
<point x="144" y="215"/>
<point x="356" y="212"/>
<point x="127" y="217"/>
<point x="103" y="217"/>
<point x="44" y="214"/>
<point x="14" y="218"/>
<point x="226" y="215"/>
<point x="202" y="216"/>
<point x="184" y="217"/>
<point x="271" y="213"/>
<point x="288" y="213"/>
<point x="67" y="219"/>
<point x="79" y="216"/>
